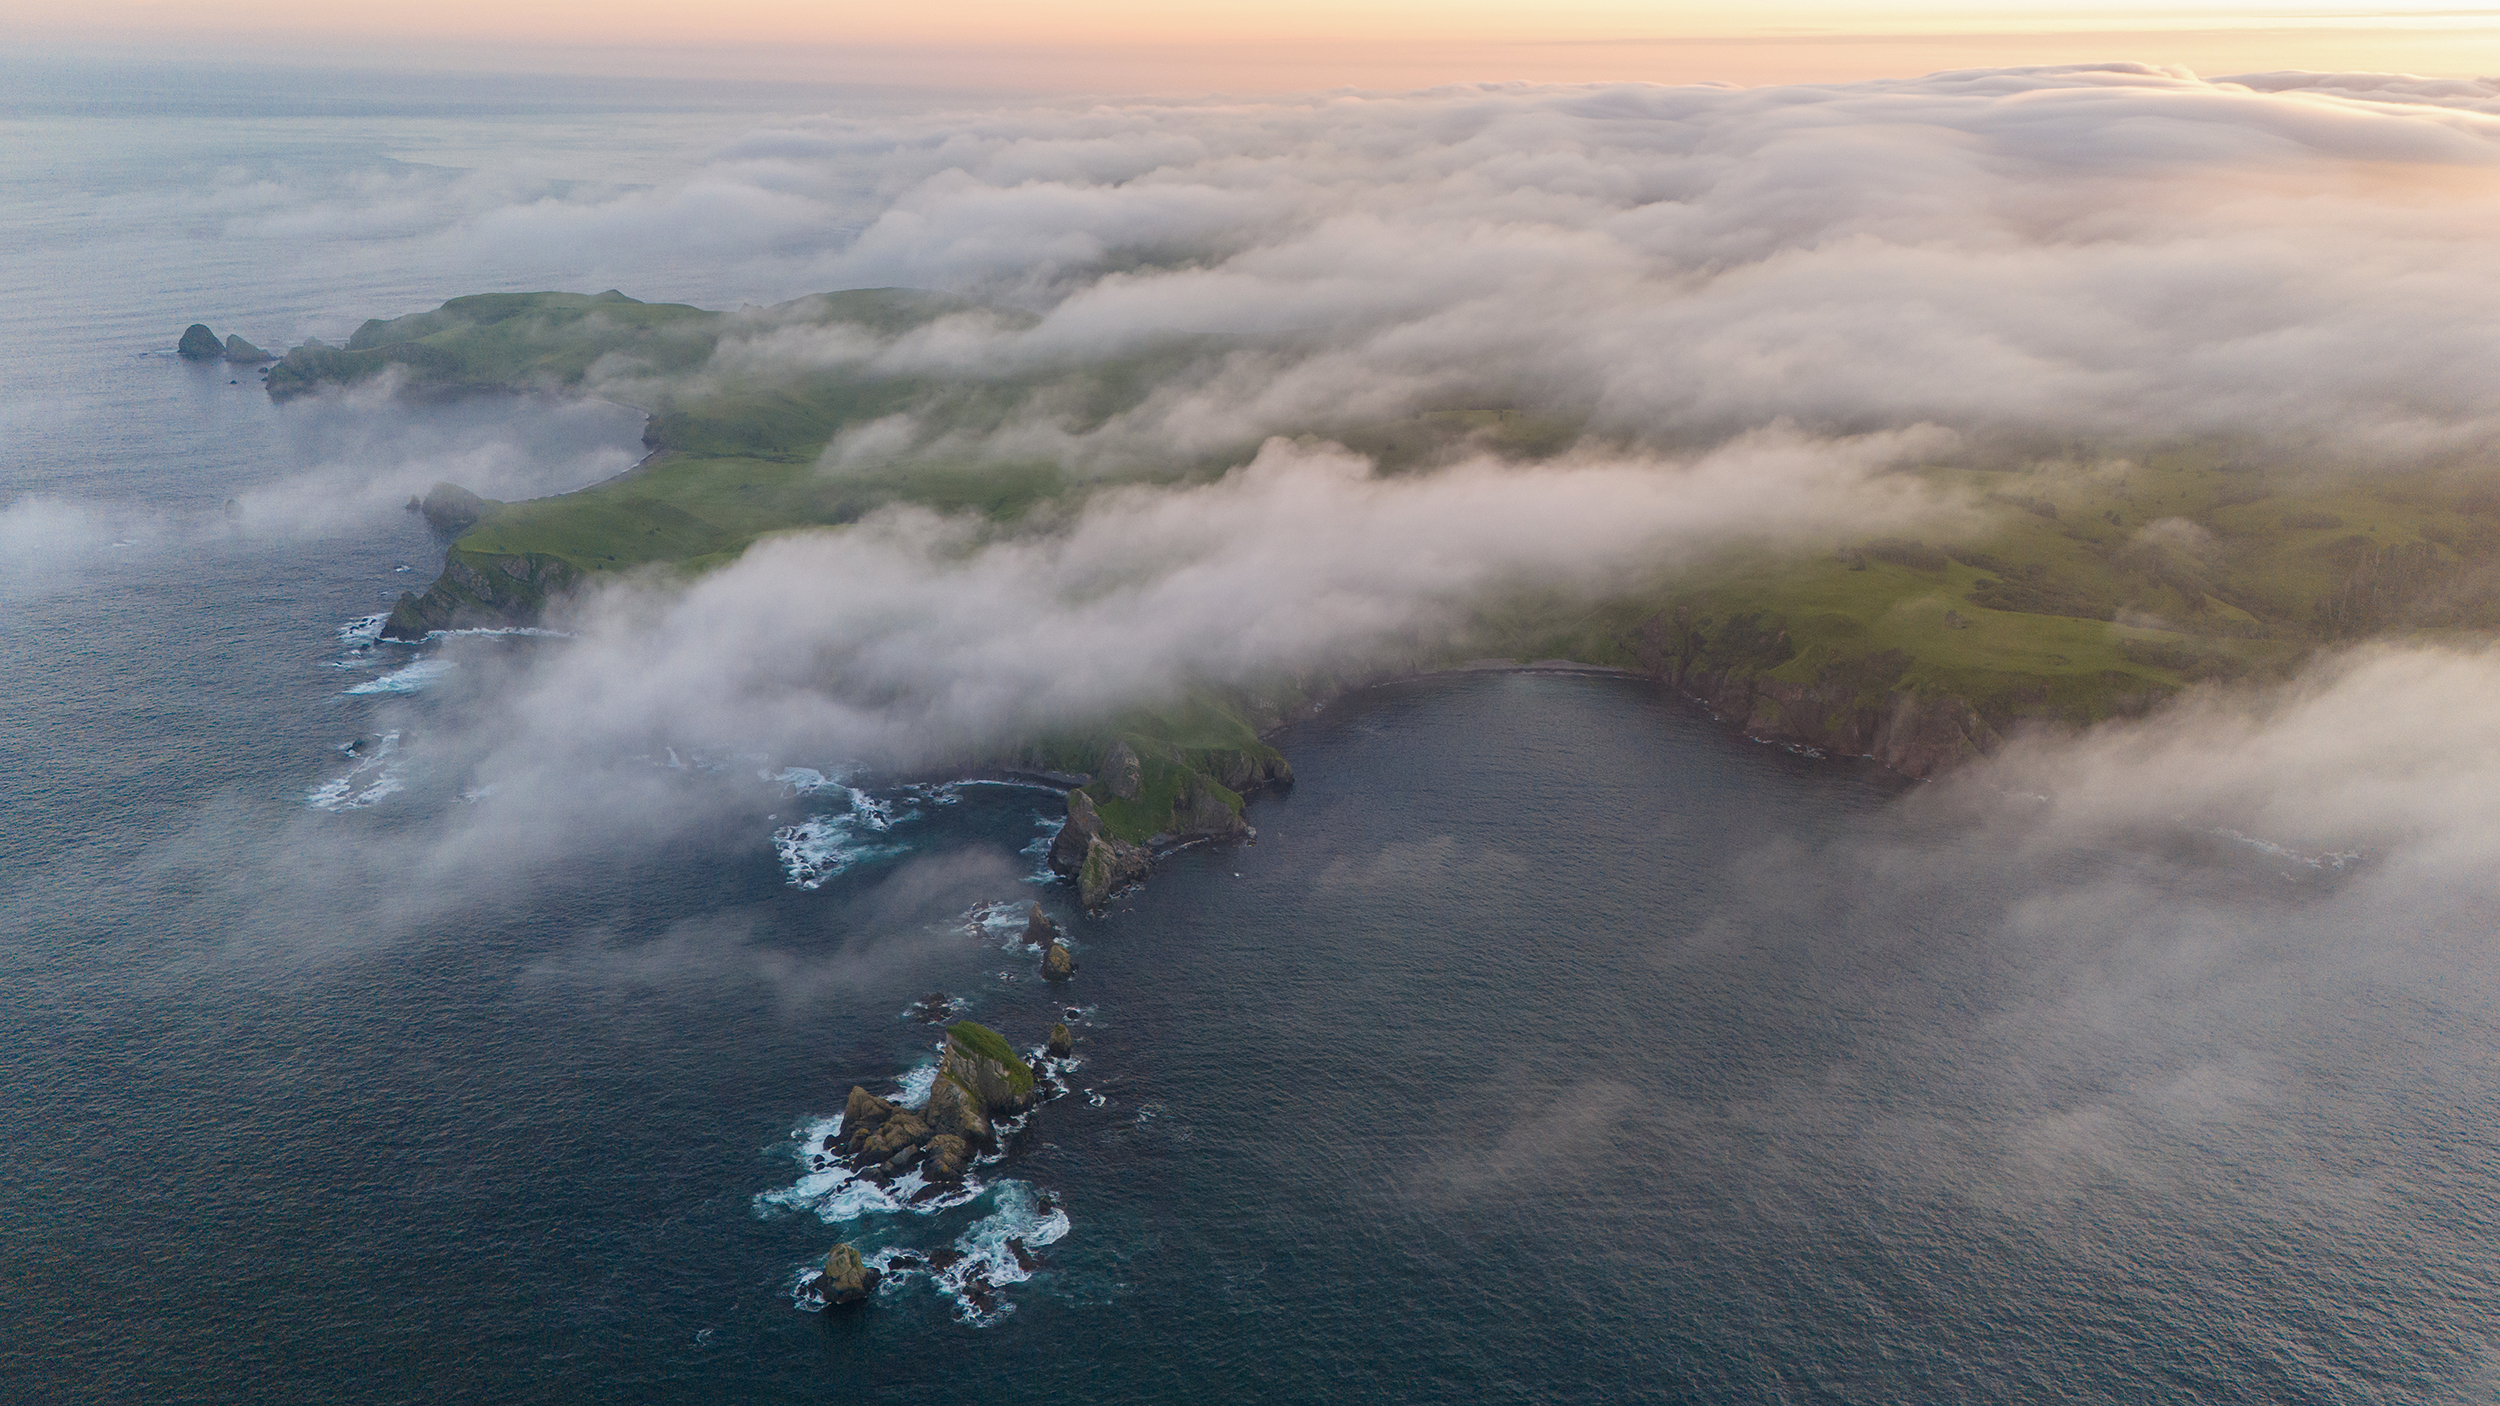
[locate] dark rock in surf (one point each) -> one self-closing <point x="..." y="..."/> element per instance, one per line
<point x="948" y="1155"/>
<point x="1024" y="1257"/>
<point x="1057" y="964"/>
<point x="1110" y="865"/>
<point x="879" y="1144"/>
<point x="954" y="1111"/>
<point x="1039" y="930"/>
<point x="865" y="1110"/>
<point x="847" y="1279"/>
<point x="979" y="1061"/>
<point x="1067" y="851"/>
<point x="199" y="344"/>
<point x="1062" y="1042"/>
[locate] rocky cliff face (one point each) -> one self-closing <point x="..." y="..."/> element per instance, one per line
<point x="478" y="590"/>
<point x="1089" y="854"/>
<point x="980" y="1062"/>
<point x="1852" y="710"/>
<point x="1919" y="735"/>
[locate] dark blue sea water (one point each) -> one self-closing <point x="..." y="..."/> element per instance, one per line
<point x="1550" y="1044"/>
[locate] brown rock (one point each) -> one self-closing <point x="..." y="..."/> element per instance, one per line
<point x="848" y="1279"/>
<point x="980" y="1061"/>
<point x="898" y="1132"/>
<point x="1062" y="1041"/>
<point x="948" y="1156"/>
<point x="865" y="1110"/>
<point x="1067" y="852"/>
<point x="1039" y="929"/>
<point x="1110" y="865"/>
<point x="1057" y="964"/>
<point x="954" y="1112"/>
<point x="1122" y="774"/>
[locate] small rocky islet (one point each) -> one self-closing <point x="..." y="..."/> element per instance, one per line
<point x="198" y="343"/>
<point x="980" y="1083"/>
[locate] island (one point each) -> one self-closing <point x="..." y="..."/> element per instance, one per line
<point x="2096" y="581"/>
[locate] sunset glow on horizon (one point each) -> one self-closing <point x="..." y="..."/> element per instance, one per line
<point x="1128" y="45"/>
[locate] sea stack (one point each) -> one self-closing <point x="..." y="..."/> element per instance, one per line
<point x="1062" y="1041"/>
<point x="1039" y="930"/>
<point x="848" y="1279"/>
<point x="244" y="353"/>
<point x="1086" y="852"/>
<point x="1057" y="963"/>
<point x="199" y="344"/>
<point x="980" y="1062"/>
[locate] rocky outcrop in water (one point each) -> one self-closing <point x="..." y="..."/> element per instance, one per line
<point x="1058" y="963"/>
<point x="243" y="353"/>
<point x="199" y="344"/>
<point x="981" y="1062"/>
<point x="847" y="1277"/>
<point x="948" y="1156"/>
<point x="980" y="1079"/>
<point x="1086" y="851"/>
<point x="1067" y="851"/>
<point x="481" y="590"/>
<point x="1110" y="865"/>
<point x="1062" y="1041"/>
<point x="954" y="1111"/>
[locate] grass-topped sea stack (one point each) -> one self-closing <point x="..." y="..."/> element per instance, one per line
<point x="979" y="1079"/>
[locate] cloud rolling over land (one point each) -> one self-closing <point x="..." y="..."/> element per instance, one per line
<point x="1756" y="306"/>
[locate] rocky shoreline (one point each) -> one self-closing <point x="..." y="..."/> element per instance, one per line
<point x="926" y="1152"/>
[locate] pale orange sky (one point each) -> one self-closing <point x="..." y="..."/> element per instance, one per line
<point x="1275" y="44"/>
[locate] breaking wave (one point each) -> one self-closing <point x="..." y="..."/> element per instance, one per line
<point x="412" y="678"/>
<point x="375" y="775"/>
<point x="824" y="845"/>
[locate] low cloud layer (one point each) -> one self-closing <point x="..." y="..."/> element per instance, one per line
<point x="1762" y="302"/>
<point x="2120" y="252"/>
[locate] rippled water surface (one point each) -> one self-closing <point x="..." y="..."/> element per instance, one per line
<point x="1549" y="1045"/>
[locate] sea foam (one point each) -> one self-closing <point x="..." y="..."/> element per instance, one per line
<point x="422" y="674"/>
<point x="824" y="845"/>
<point x="375" y="775"/>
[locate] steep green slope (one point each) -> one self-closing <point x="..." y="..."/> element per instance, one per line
<point x="2078" y="591"/>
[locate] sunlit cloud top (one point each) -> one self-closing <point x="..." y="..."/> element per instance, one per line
<point x="1128" y="44"/>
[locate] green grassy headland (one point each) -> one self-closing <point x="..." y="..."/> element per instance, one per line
<point x="2088" y="587"/>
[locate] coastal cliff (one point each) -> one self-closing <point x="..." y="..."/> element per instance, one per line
<point x="481" y="590"/>
<point x="1852" y="708"/>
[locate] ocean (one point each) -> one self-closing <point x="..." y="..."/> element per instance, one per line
<point x="1550" y="1044"/>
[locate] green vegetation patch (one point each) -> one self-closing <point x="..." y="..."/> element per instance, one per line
<point x="2082" y="588"/>
<point x="982" y="1042"/>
